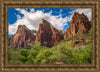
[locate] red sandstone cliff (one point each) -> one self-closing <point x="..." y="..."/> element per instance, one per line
<point x="47" y="34"/>
<point x="22" y="37"/>
<point x="79" y="24"/>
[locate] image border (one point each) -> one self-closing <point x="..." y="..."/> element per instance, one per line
<point x="4" y="5"/>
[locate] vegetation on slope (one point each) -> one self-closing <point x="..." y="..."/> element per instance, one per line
<point x="65" y="53"/>
<point x="62" y="52"/>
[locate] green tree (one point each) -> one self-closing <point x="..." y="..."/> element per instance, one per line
<point x="36" y="46"/>
<point x="13" y="56"/>
<point x="90" y="34"/>
<point x="43" y="56"/>
<point x="31" y="58"/>
<point x="23" y="55"/>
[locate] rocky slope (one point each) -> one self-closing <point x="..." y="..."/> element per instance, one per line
<point x="79" y="24"/>
<point x="47" y="34"/>
<point x="22" y="37"/>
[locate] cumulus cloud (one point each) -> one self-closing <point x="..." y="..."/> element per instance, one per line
<point x="32" y="20"/>
<point x="18" y="16"/>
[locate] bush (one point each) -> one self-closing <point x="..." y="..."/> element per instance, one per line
<point x="44" y="55"/>
<point x="62" y="52"/>
<point x="36" y="46"/>
<point x="90" y="34"/>
<point x="13" y="56"/>
<point x="23" y="55"/>
<point x="82" y="56"/>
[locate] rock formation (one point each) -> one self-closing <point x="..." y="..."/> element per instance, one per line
<point x="81" y="42"/>
<point x="62" y="32"/>
<point x="79" y="24"/>
<point x="22" y="38"/>
<point x="47" y="34"/>
<point x="33" y="32"/>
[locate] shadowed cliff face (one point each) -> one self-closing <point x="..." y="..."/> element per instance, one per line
<point x="47" y="34"/>
<point x="22" y="37"/>
<point x="79" y="24"/>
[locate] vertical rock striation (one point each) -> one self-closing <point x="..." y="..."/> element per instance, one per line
<point x="47" y="34"/>
<point x="79" y="24"/>
<point x="22" y="38"/>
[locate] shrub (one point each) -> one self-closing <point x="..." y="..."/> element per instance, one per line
<point x="36" y="46"/>
<point x="82" y="56"/>
<point x="31" y="58"/>
<point x="63" y="52"/>
<point x="23" y="55"/>
<point x="13" y="56"/>
<point x="44" y="55"/>
<point x="90" y="34"/>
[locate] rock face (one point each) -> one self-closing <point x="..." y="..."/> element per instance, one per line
<point x="81" y="42"/>
<point x="22" y="37"/>
<point x="61" y="32"/>
<point x="79" y="24"/>
<point x="47" y="34"/>
<point x="33" y="32"/>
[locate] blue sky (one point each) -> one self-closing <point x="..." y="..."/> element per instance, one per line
<point x="31" y="17"/>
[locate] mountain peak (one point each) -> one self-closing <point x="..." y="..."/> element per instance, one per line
<point x="22" y="37"/>
<point x="79" y="24"/>
<point x="76" y="13"/>
<point x="82" y="14"/>
<point x="44" y="21"/>
<point x="47" y="35"/>
<point x="21" y="28"/>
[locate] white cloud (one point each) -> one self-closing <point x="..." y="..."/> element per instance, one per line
<point x="18" y="17"/>
<point x="32" y="20"/>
